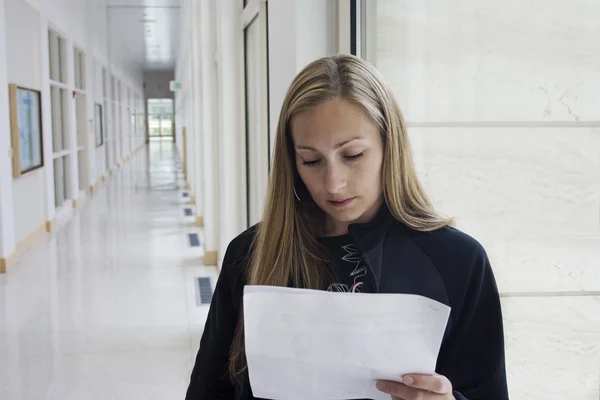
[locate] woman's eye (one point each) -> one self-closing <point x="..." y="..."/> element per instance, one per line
<point x="310" y="162"/>
<point x="354" y="157"/>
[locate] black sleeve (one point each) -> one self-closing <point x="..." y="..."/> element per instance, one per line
<point x="473" y="356"/>
<point x="210" y="378"/>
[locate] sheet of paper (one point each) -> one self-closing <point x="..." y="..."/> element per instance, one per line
<point x="307" y="344"/>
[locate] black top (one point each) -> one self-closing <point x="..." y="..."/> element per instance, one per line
<point x="350" y="270"/>
<point x="445" y="265"/>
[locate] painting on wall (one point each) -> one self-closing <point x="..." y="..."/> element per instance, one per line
<point x="99" y="128"/>
<point x="26" y="129"/>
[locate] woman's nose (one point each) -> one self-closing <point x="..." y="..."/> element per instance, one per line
<point x="335" y="179"/>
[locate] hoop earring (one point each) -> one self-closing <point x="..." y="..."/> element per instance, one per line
<point x="296" y="194"/>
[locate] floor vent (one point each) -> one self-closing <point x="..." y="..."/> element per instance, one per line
<point x="194" y="240"/>
<point x="203" y="291"/>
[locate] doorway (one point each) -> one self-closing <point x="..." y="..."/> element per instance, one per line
<point x="160" y="119"/>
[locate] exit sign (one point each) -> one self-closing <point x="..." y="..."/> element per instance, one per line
<point x="175" y="85"/>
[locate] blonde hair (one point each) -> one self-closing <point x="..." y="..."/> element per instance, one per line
<point x="285" y="250"/>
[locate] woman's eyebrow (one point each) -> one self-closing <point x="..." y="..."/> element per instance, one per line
<point x="337" y="146"/>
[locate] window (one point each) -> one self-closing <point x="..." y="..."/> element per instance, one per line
<point x="59" y="106"/>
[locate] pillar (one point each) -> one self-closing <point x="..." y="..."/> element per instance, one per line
<point x="196" y="115"/>
<point x="209" y="133"/>
<point x="231" y="137"/>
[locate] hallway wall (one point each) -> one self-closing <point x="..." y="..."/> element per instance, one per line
<point x="83" y="24"/>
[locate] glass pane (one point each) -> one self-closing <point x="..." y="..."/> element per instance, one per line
<point x="62" y="60"/>
<point x="64" y="104"/>
<point x="53" y="55"/>
<point x="77" y="69"/>
<point x="59" y="176"/>
<point x="56" y="106"/>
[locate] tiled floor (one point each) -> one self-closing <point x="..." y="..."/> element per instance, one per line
<point x="105" y="308"/>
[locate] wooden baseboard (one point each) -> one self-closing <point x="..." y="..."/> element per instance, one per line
<point x="200" y="221"/>
<point x="8" y="262"/>
<point x="51" y="225"/>
<point x="210" y="258"/>
<point x="192" y="200"/>
<point x="30" y="239"/>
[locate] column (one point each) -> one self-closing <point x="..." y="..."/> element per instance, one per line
<point x="47" y="127"/>
<point x="209" y="133"/>
<point x="7" y="231"/>
<point x="197" y="113"/>
<point x="231" y="137"/>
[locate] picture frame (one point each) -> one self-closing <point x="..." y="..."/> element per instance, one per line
<point x="25" y="105"/>
<point x="98" y="125"/>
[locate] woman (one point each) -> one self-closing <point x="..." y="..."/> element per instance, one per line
<point x="346" y="212"/>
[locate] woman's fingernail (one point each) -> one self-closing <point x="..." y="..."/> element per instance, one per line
<point x="380" y="385"/>
<point x="408" y="380"/>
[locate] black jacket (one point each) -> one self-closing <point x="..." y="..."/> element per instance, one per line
<point x="445" y="265"/>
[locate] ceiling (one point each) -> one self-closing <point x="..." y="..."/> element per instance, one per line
<point x="144" y="33"/>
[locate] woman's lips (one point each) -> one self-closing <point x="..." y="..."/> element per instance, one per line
<point x="341" y="203"/>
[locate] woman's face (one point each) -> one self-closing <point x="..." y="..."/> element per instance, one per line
<point x="339" y="156"/>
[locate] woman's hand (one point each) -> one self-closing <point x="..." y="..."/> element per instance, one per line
<point x="418" y="387"/>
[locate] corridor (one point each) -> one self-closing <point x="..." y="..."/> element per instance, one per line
<point x="105" y="307"/>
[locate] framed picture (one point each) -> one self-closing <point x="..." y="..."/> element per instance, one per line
<point x="99" y="125"/>
<point x="26" y="129"/>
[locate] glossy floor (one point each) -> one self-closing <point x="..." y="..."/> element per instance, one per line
<point x="105" y="308"/>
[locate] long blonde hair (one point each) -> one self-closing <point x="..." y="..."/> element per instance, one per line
<point x="285" y="250"/>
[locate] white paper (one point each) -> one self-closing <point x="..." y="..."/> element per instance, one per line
<point x="307" y="344"/>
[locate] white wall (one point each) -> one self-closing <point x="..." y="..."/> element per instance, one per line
<point x="24" y="68"/>
<point x="300" y="31"/>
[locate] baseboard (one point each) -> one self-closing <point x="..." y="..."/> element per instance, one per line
<point x="22" y="246"/>
<point x="51" y="225"/>
<point x="30" y="239"/>
<point x="8" y="262"/>
<point x="210" y="258"/>
<point x="200" y="221"/>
